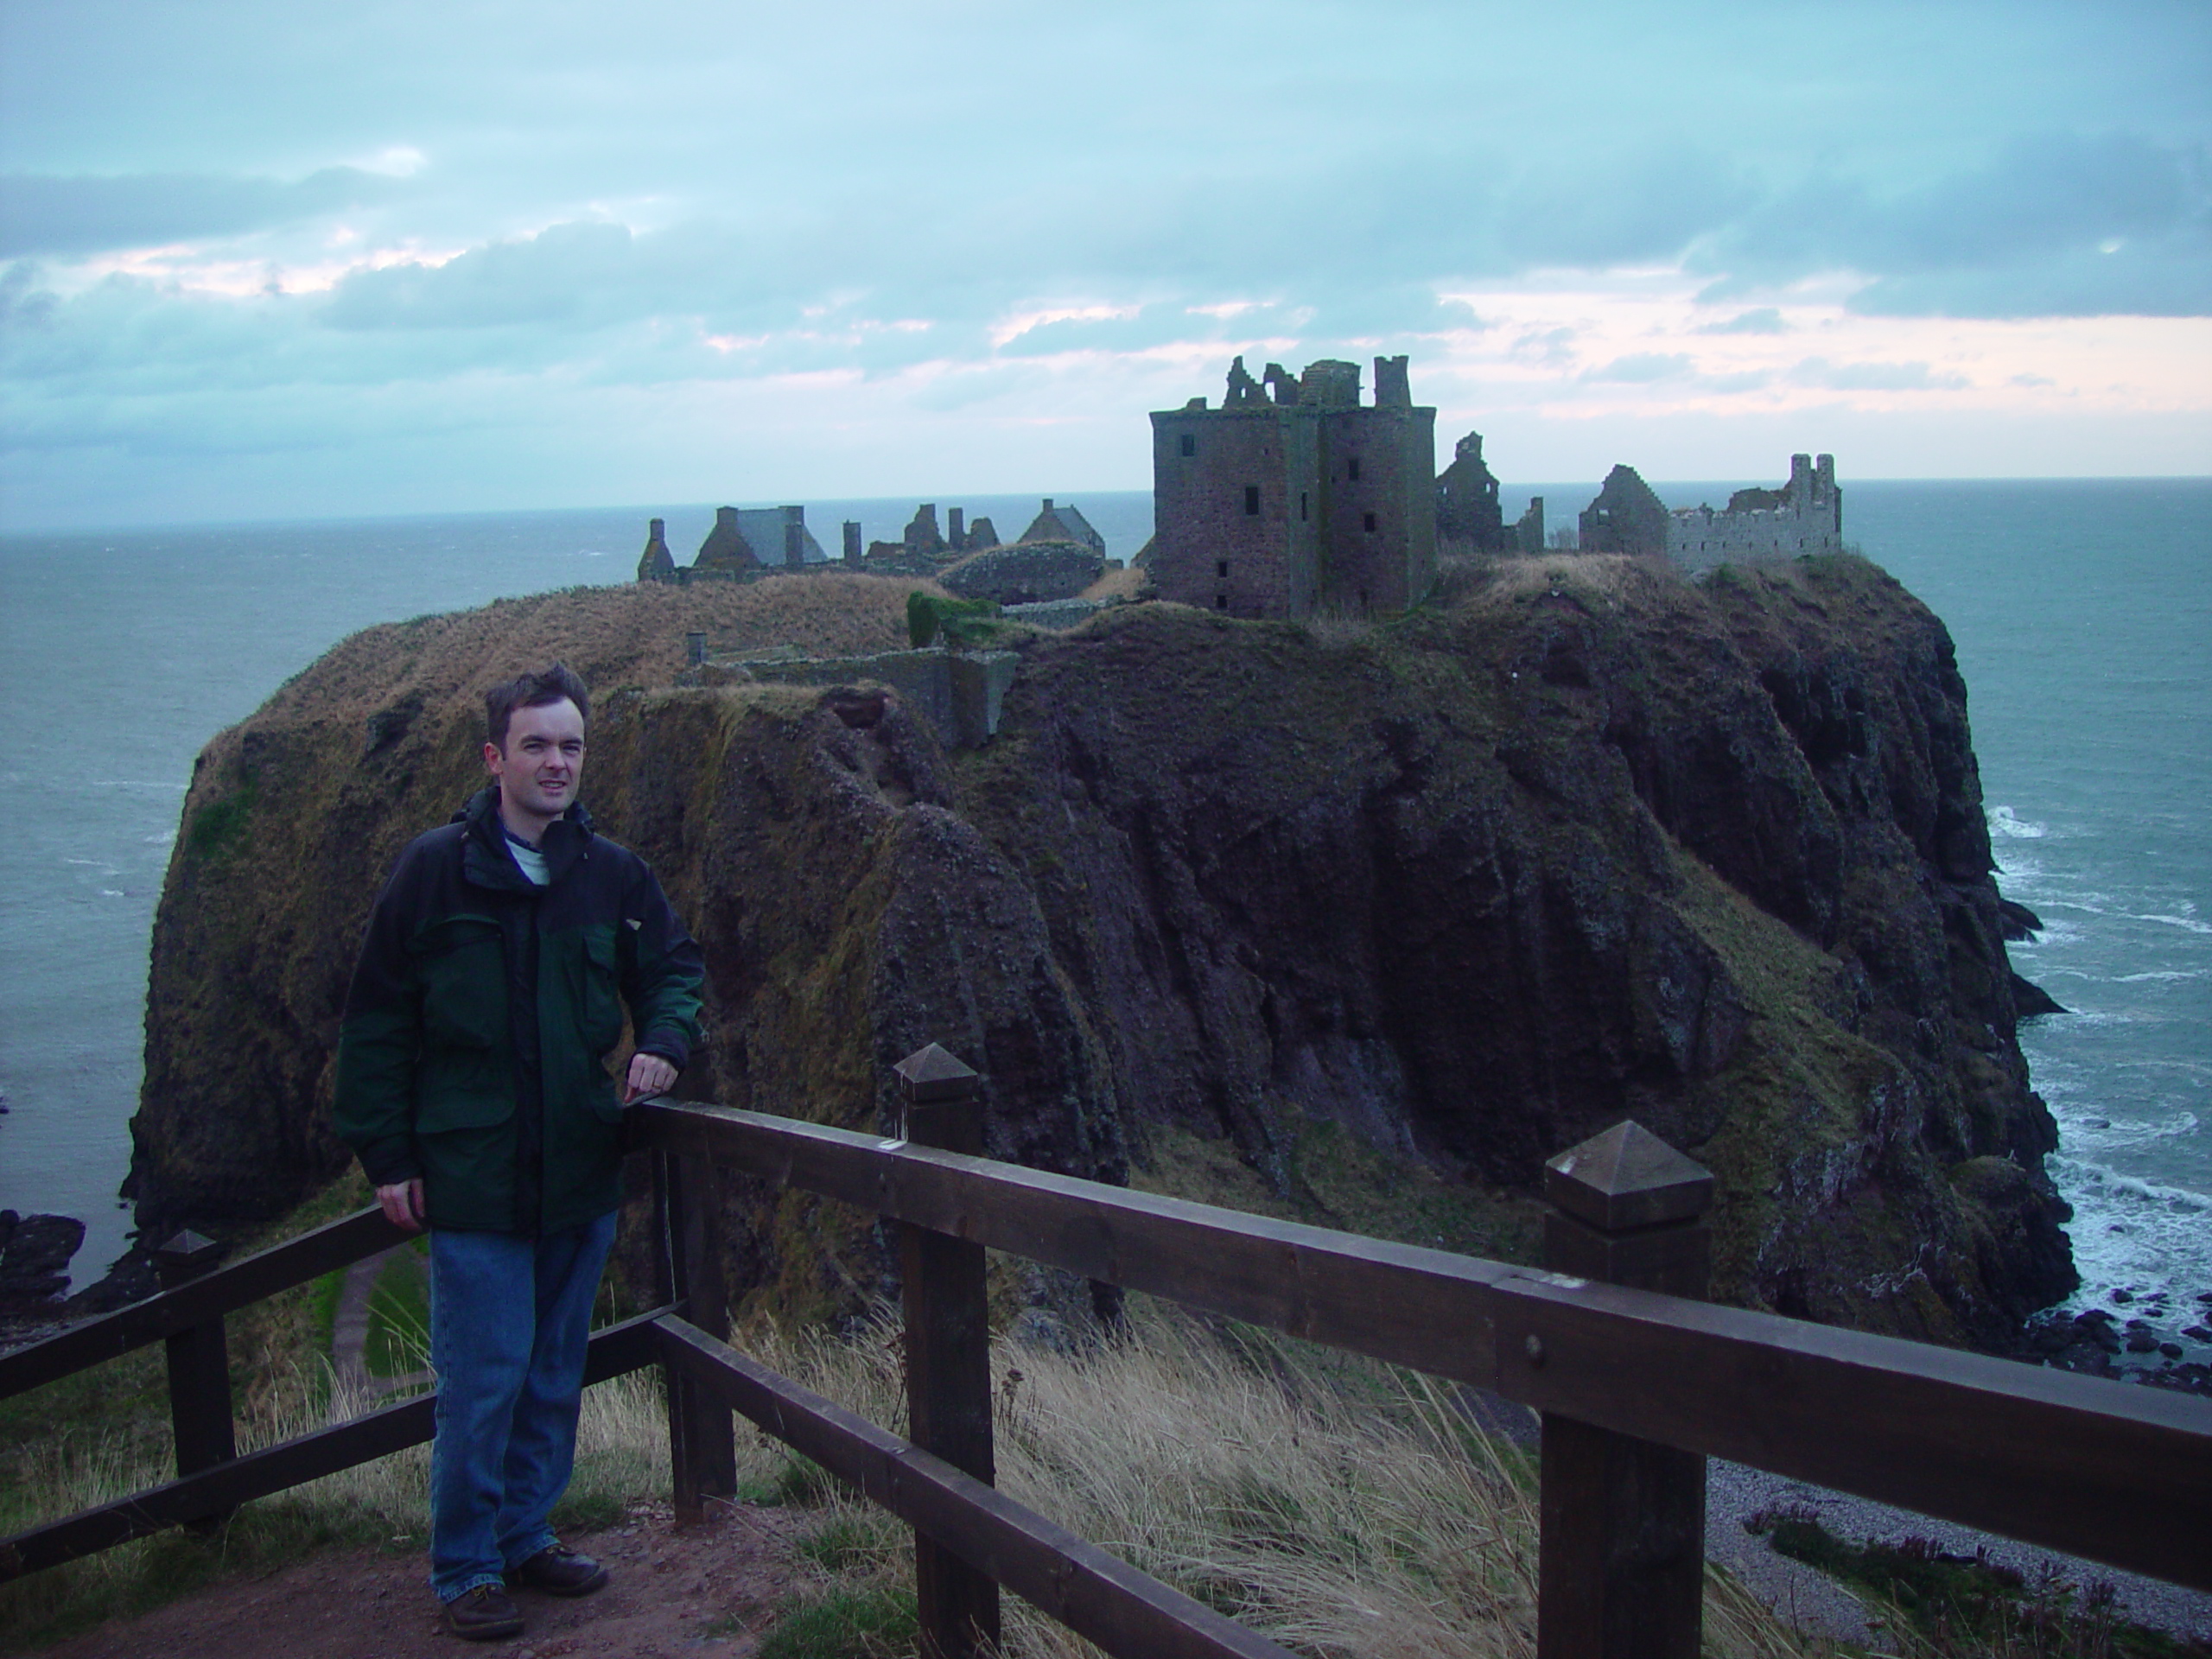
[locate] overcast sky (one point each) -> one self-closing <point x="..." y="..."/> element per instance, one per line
<point x="263" y="260"/>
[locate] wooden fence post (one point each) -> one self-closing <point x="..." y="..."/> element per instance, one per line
<point x="702" y="1438"/>
<point x="948" y="1356"/>
<point x="199" y="1370"/>
<point x="1621" y="1571"/>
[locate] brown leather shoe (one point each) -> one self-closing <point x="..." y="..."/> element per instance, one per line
<point x="558" y="1571"/>
<point x="484" y="1614"/>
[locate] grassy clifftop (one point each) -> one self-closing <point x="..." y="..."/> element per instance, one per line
<point x="1362" y="922"/>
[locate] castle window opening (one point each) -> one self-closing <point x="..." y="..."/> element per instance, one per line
<point x="1252" y="499"/>
<point x="1351" y="469"/>
<point x="1221" y="601"/>
<point x="1301" y="506"/>
<point x="1221" y="568"/>
<point x="1370" y="520"/>
<point x="1190" y="443"/>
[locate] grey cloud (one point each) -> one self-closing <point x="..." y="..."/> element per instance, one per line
<point x="1152" y="325"/>
<point x="2020" y="235"/>
<point x="1873" y="376"/>
<point x="1602" y="211"/>
<point x="565" y="274"/>
<point x="1546" y="345"/>
<point x="1765" y="321"/>
<point x="2169" y="278"/>
<point x="48" y="213"/>
<point x="1642" y="368"/>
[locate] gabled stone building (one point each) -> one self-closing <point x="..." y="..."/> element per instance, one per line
<point x="1293" y="495"/>
<point x="1064" y="523"/>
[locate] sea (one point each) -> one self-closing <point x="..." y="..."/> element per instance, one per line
<point x="2081" y="610"/>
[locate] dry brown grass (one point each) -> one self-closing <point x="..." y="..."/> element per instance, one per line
<point x="1116" y="584"/>
<point x="628" y="635"/>
<point x="1340" y="1508"/>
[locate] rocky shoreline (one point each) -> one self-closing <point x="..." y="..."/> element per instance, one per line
<point x="2155" y="1339"/>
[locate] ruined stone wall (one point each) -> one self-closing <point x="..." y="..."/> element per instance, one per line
<point x="1805" y="516"/>
<point x="1626" y="518"/>
<point x="1466" y="499"/>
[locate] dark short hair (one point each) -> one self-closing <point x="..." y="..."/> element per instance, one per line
<point x="550" y="684"/>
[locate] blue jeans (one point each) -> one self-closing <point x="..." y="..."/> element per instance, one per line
<point x="509" y="1320"/>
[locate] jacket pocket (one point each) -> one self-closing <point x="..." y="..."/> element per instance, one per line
<point x="462" y="1090"/>
<point x="462" y="963"/>
<point x="601" y="1006"/>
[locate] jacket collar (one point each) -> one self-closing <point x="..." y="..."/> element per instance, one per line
<point x="486" y="861"/>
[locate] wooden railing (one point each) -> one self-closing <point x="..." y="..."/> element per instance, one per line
<point x="1636" y="1387"/>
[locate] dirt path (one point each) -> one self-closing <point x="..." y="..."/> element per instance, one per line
<point x="349" y="1339"/>
<point x="707" y="1591"/>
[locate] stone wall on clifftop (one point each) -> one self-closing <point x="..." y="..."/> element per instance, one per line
<point x="1459" y="891"/>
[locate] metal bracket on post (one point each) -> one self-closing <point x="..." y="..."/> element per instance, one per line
<point x="199" y="1368"/>
<point x="948" y="1356"/>
<point x="1621" y="1566"/>
<point x="701" y="1437"/>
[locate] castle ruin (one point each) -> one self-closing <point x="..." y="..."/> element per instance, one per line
<point x="1466" y="500"/>
<point x="1804" y="516"/>
<point x="1293" y="495"/>
<point x="744" y="542"/>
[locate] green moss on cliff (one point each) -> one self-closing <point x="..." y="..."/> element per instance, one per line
<point x="1587" y="843"/>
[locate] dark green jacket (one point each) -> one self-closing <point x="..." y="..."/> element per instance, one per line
<point x="482" y="1011"/>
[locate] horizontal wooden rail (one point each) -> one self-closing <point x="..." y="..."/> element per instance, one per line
<point x="340" y="1244"/>
<point x="2114" y="1473"/>
<point x="1099" y="1596"/>
<point x="615" y="1351"/>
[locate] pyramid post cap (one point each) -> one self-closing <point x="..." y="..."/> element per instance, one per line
<point x="932" y="1074"/>
<point x="187" y="1246"/>
<point x="1627" y="1176"/>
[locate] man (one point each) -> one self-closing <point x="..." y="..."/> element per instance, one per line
<point x="473" y="1083"/>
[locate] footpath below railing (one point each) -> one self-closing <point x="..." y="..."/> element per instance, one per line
<point x="1638" y="1381"/>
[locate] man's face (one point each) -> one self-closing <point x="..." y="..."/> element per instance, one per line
<point x="538" y="769"/>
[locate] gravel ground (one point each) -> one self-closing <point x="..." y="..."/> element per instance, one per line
<point x="1733" y="1491"/>
<point x="1814" y="1602"/>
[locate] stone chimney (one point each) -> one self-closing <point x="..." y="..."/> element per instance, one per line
<point x="955" y="527"/>
<point x="794" y="538"/>
<point x="852" y="540"/>
<point x="1393" y="389"/>
<point x="657" y="564"/>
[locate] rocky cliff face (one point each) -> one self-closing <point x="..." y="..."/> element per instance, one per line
<point x="1586" y="843"/>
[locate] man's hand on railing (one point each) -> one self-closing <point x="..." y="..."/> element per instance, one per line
<point x="403" y="1203"/>
<point x="650" y="1074"/>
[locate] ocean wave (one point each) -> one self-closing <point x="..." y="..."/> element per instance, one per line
<point x="2163" y="974"/>
<point x="133" y="783"/>
<point x="2146" y="1235"/>
<point x="2004" y="821"/>
<point x="2190" y="923"/>
<point x="2111" y="1182"/>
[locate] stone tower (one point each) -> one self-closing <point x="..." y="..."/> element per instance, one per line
<point x="1295" y="495"/>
